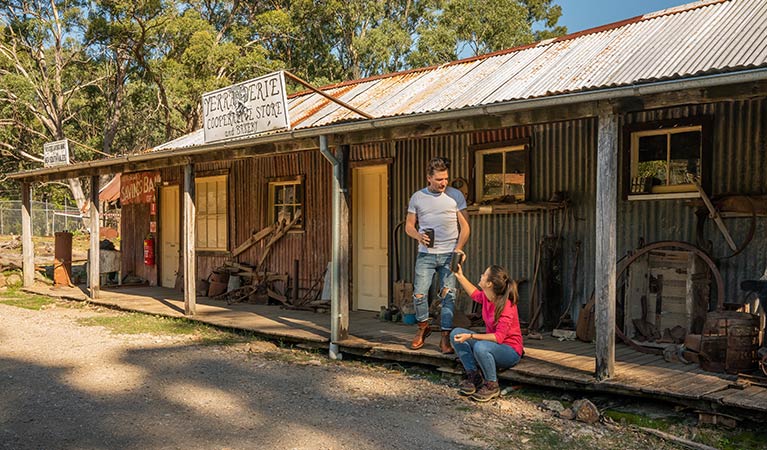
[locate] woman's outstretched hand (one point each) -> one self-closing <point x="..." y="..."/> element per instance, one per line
<point x="462" y="337"/>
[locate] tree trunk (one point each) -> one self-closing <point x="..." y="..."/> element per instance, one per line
<point x="77" y="193"/>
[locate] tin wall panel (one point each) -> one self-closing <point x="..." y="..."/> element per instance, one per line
<point x="134" y="228"/>
<point x="562" y="159"/>
<point x="250" y="178"/>
<point x="738" y="167"/>
<point x="371" y="151"/>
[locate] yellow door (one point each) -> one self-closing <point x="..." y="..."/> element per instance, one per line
<point x="169" y="235"/>
<point x="370" y="240"/>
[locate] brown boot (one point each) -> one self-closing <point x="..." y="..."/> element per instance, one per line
<point x="420" y="336"/>
<point x="470" y="383"/>
<point x="444" y="344"/>
<point x="488" y="391"/>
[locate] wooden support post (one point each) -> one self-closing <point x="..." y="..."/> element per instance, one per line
<point x="344" y="293"/>
<point x="188" y="258"/>
<point x="27" y="248"/>
<point x="606" y="214"/>
<point x="93" y="254"/>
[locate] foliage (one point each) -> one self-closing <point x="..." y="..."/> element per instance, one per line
<point x="120" y="76"/>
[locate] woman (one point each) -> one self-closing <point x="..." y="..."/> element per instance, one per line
<point x="501" y="345"/>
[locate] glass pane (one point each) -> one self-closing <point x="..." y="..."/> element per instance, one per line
<point x="514" y="181"/>
<point x="492" y="177"/>
<point x="221" y="231"/>
<point x="279" y="195"/>
<point x="211" y="198"/>
<point x="299" y="193"/>
<point x="221" y="199"/>
<point x="652" y="154"/>
<point x="200" y="195"/>
<point x="212" y="232"/>
<point x="685" y="156"/>
<point x="290" y="196"/>
<point x="202" y="233"/>
<point x="221" y="194"/>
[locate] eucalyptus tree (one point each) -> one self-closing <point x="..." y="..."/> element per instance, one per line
<point x="45" y="67"/>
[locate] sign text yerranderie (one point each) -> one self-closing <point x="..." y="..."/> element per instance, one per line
<point x="248" y="108"/>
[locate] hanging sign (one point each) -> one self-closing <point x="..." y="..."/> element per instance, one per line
<point x="56" y="153"/>
<point x="245" y="109"/>
<point x="138" y="187"/>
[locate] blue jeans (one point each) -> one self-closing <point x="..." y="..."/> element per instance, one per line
<point x="488" y="355"/>
<point x="425" y="266"/>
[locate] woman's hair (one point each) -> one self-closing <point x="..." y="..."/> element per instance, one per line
<point x="504" y="288"/>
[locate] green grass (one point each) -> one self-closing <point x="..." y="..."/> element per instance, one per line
<point x="14" y="297"/>
<point x="733" y="440"/>
<point x="136" y="323"/>
<point x="638" y="420"/>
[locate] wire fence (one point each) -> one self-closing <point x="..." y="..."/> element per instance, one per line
<point x="47" y="218"/>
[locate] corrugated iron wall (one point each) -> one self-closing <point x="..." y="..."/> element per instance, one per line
<point x="739" y="161"/>
<point x="249" y="187"/>
<point x="134" y="228"/>
<point x="562" y="159"/>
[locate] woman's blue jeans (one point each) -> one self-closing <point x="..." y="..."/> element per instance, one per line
<point x="489" y="356"/>
<point x="425" y="266"/>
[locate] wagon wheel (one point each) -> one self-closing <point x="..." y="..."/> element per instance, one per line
<point x="735" y="248"/>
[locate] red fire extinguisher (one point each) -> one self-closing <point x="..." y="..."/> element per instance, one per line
<point x="149" y="251"/>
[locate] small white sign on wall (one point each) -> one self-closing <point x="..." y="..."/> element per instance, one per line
<point x="244" y="109"/>
<point x="56" y="153"/>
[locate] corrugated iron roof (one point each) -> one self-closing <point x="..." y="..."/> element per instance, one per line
<point x="700" y="38"/>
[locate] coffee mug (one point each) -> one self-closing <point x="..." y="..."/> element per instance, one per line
<point x="456" y="259"/>
<point x="429" y="232"/>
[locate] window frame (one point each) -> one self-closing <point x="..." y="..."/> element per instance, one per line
<point x="208" y="179"/>
<point x="632" y="134"/>
<point x="478" y="151"/>
<point x="297" y="180"/>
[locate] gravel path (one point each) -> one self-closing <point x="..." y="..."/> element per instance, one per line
<point x="68" y="386"/>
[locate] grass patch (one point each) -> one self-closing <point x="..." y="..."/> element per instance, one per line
<point x="732" y="440"/>
<point x="626" y="418"/>
<point x="14" y="297"/>
<point x="135" y="323"/>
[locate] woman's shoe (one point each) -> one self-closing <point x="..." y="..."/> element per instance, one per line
<point x="470" y="382"/>
<point x="488" y="391"/>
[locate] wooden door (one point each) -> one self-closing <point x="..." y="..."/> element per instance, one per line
<point x="169" y="236"/>
<point x="370" y="238"/>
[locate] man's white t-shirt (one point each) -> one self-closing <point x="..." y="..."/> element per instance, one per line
<point x="438" y="211"/>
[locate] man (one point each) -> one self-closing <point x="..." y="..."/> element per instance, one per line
<point x="440" y="208"/>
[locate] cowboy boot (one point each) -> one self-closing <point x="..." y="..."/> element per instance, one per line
<point x="420" y="336"/>
<point x="444" y="343"/>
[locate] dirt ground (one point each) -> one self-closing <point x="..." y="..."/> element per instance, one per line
<point x="66" y="385"/>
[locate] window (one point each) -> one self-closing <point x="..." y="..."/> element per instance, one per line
<point x="502" y="173"/>
<point x="663" y="159"/>
<point x="211" y="201"/>
<point x="286" y="200"/>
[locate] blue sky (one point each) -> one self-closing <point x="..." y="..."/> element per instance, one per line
<point x="579" y="15"/>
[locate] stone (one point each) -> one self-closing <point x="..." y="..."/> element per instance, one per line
<point x="585" y="411"/>
<point x="13" y="280"/>
<point x="553" y="405"/>
<point x="567" y="414"/>
<point x="2" y="280"/>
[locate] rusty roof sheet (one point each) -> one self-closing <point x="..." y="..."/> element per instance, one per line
<point x="704" y="37"/>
